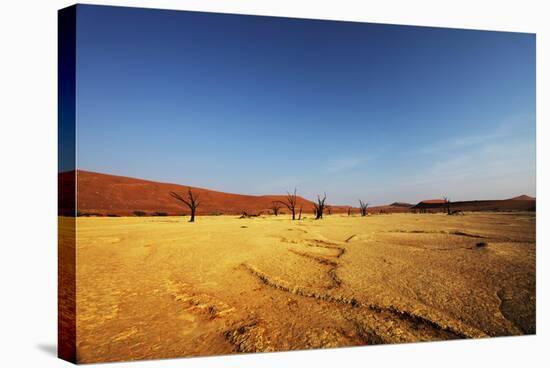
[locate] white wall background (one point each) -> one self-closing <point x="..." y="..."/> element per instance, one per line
<point x="28" y="168"/>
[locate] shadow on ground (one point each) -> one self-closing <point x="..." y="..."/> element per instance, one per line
<point x="50" y="349"/>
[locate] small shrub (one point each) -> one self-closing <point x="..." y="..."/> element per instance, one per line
<point x="139" y="213"/>
<point x="88" y="214"/>
<point x="160" y="214"/>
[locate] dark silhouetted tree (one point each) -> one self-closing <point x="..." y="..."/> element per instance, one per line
<point x="290" y="203"/>
<point x="320" y="206"/>
<point x="275" y="208"/>
<point x="300" y="212"/>
<point x="363" y="207"/>
<point x="192" y="202"/>
<point x="447" y="205"/>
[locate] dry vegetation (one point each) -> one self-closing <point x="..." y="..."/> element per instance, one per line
<point x="159" y="287"/>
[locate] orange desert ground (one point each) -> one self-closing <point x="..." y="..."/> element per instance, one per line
<point x="160" y="287"/>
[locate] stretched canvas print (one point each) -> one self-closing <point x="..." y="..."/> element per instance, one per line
<point x="238" y="184"/>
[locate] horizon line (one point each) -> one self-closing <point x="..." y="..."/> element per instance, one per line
<point x="272" y="195"/>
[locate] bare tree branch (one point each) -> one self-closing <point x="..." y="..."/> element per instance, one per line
<point x="447" y="205"/>
<point x="363" y="207"/>
<point x="275" y="207"/>
<point x="290" y="203"/>
<point x="320" y="206"/>
<point x="192" y="201"/>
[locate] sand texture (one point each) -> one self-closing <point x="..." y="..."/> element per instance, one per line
<point x="160" y="287"/>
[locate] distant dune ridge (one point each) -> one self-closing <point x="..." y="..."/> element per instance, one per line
<point x="104" y="195"/>
<point x="523" y="197"/>
<point x="514" y="204"/>
<point x="401" y="204"/>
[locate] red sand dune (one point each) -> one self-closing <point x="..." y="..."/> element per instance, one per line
<point x="392" y="208"/>
<point x="523" y="197"/>
<point x="401" y="204"/>
<point x="102" y="194"/>
<point x="484" y="205"/>
<point x="432" y="201"/>
<point x="395" y="207"/>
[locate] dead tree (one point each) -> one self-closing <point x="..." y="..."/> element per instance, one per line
<point x="300" y="212"/>
<point x="290" y="202"/>
<point x="447" y="205"/>
<point x="349" y="211"/>
<point x="320" y="206"/>
<point x="246" y="215"/>
<point x="192" y="202"/>
<point x="275" y="207"/>
<point x="329" y="210"/>
<point x="363" y="207"/>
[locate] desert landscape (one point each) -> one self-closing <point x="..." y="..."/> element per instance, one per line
<point x="238" y="184"/>
<point x="114" y="195"/>
<point x="161" y="286"/>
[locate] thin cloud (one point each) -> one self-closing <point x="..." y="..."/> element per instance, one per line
<point x="494" y="170"/>
<point x="507" y="129"/>
<point x="344" y="164"/>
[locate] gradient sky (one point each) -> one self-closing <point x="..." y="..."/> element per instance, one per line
<point x="260" y="105"/>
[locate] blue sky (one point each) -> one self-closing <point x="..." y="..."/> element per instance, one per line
<point x="260" y="105"/>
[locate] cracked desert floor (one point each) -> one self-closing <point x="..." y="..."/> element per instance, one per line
<point x="160" y="287"/>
